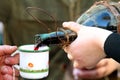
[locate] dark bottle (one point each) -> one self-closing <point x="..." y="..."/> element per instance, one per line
<point x="54" y="38"/>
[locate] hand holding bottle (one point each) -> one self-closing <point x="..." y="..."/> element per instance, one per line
<point x="88" y="48"/>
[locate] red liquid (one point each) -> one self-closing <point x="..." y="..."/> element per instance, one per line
<point x="36" y="48"/>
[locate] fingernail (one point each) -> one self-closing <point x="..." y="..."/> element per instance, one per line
<point x="65" y="24"/>
<point x="7" y="61"/>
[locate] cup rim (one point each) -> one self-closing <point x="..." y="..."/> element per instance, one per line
<point x="46" y="48"/>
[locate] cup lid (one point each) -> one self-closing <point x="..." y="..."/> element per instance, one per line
<point x="30" y="48"/>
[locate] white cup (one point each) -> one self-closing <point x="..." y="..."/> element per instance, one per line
<point x="33" y="64"/>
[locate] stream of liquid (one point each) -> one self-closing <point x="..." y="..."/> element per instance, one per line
<point x="36" y="48"/>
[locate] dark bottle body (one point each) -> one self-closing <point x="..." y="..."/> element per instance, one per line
<point x="55" y="38"/>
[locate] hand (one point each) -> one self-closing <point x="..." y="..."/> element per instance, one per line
<point x="88" y="48"/>
<point x="6" y="62"/>
<point x="104" y="68"/>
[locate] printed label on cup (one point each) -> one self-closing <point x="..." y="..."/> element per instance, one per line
<point x="33" y="64"/>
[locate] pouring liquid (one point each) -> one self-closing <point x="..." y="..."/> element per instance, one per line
<point x="36" y="48"/>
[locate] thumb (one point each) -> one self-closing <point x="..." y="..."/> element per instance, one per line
<point x="6" y="49"/>
<point x="72" y="26"/>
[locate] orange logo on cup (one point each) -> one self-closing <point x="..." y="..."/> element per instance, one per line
<point x="30" y="65"/>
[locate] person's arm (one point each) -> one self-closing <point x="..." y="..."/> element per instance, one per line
<point x="112" y="46"/>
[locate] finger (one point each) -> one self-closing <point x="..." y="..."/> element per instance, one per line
<point x="9" y="77"/>
<point x="76" y="64"/>
<point x="102" y="63"/>
<point x="6" y="49"/>
<point x="72" y="26"/>
<point x="12" y="59"/>
<point x="9" y="70"/>
<point x="6" y="70"/>
<point x="69" y="56"/>
<point x="65" y="49"/>
<point x="86" y="74"/>
<point x="93" y="73"/>
<point x="101" y="72"/>
<point x="97" y="72"/>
